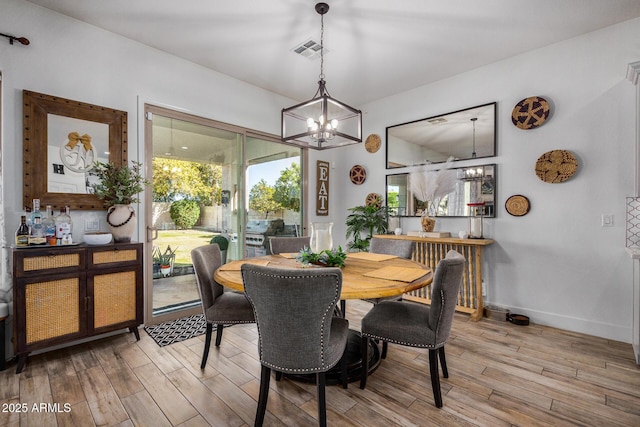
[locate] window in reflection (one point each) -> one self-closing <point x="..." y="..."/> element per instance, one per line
<point x="475" y="184"/>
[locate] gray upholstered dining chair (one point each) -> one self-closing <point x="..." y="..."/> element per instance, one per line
<point x="298" y="333"/>
<point x="400" y="248"/>
<point x="417" y="325"/>
<point x="219" y="307"/>
<point x="280" y="245"/>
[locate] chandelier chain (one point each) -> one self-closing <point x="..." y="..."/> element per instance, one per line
<point x="321" y="47"/>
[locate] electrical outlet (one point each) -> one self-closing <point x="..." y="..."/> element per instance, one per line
<point x="91" y="225"/>
<point x="607" y="220"/>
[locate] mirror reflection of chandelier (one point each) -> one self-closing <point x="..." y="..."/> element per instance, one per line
<point x="473" y="154"/>
<point x="322" y="122"/>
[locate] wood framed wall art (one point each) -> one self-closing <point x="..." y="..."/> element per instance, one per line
<point x="322" y="188"/>
<point x="61" y="141"/>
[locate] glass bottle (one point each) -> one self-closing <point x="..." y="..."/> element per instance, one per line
<point x="36" y="236"/>
<point x="22" y="233"/>
<point x="321" y="238"/>
<point x="49" y="224"/>
<point x="35" y="213"/>
<point x="63" y="224"/>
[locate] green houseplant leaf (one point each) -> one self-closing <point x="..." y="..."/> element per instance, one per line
<point x="328" y="257"/>
<point x="362" y="223"/>
<point x="119" y="185"/>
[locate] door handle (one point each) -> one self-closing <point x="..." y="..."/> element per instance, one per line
<point x="151" y="237"/>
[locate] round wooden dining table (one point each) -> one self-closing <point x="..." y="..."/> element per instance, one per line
<point x="364" y="276"/>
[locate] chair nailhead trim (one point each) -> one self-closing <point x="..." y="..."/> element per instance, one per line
<point x="324" y="366"/>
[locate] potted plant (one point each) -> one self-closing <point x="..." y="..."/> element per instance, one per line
<point x="165" y="259"/>
<point x="223" y="243"/>
<point x="157" y="260"/>
<point x="363" y="222"/>
<point x="119" y="187"/>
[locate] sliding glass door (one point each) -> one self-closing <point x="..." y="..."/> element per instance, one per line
<point x="196" y="169"/>
<point x="210" y="182"/>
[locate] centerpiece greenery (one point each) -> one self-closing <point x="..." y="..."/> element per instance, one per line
<point x="119" y="185"/>
<point x="328" y="257"/>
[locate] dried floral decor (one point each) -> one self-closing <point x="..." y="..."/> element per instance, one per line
<point x="431" y="187"/>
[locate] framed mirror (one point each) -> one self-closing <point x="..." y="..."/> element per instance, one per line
<point x="464" y="134"/>
<point x="474" y="184"/>
<point x="61" y="141"/>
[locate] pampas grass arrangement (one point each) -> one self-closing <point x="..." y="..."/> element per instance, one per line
<point x="432" y="186"/>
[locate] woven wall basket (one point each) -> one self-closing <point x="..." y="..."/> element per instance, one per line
<point x="517" y="205"/>
<point x="556" y="166"/>
<point x="530" y="112"/>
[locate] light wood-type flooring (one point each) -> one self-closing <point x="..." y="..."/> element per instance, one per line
<point x="499" y="375"/>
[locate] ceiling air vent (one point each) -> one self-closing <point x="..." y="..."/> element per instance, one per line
<point x="309" y="49"/>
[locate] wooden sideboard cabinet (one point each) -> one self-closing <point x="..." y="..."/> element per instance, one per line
<point x="429" y="251"/>
<point x="62" y="294"/>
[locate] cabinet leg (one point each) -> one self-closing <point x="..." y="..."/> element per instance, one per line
<point x="134" y="329"/>
<point x="22" y="359"/>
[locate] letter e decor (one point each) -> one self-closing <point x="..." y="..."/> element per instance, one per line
<point x="322" y="188"/>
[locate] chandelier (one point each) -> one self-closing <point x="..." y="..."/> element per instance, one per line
<point x="322" y="122"/>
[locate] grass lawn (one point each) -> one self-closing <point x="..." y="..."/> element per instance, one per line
<point x="184" y="241"/>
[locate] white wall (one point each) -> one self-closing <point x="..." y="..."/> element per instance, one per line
<point x="556" y="264"/>
<point x="70" y="59"/>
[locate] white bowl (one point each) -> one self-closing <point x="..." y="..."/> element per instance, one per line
<point x="101" y="238"/>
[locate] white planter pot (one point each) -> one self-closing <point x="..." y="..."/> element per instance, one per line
<point x="122" y="222"/>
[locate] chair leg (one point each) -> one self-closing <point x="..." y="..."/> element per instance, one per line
<point x="364" y="354"/>
<point x="265" y="376"/>
<point x="435" y="377"/>
<point x="343" y="370"/>
<point x="278" y="375"/>
<point x="383" y="355"/>
<point x="219" y="328"/>
<point x="343" y="308"/>
<point x="322" y="403"/>
<point x="443" y="362"/>
<point x="207" y="344"/>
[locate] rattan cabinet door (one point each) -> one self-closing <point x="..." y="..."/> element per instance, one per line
<point x="53" y="311"/>
<point x="115" y="303"/>
<point x="49" y="297"/>
<point x="114" y="286"/>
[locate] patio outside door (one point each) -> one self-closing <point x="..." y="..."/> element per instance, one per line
<point x="196" y="169"/>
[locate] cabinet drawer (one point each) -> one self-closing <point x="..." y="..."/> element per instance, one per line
<point x="119" y="255"/>
<point x="34" y="262"/>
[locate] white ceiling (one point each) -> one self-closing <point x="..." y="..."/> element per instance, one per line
<point x="374" y="48"/>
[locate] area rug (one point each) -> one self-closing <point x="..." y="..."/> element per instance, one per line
<point x="177" y="330"/>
